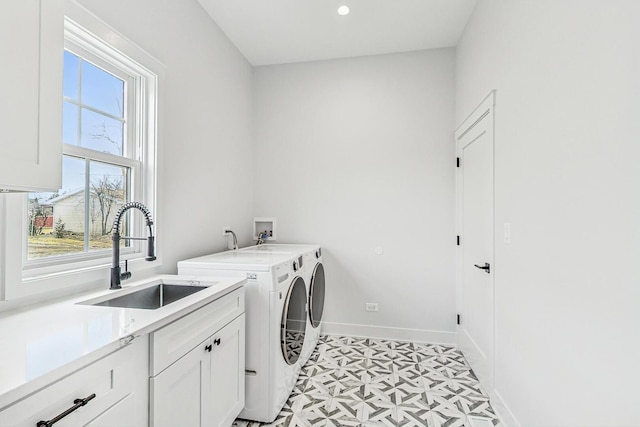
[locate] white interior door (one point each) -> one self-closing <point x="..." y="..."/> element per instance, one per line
<point x="476" y="228"/>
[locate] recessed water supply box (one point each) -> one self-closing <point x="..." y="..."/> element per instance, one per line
<point x="264" y="225"/>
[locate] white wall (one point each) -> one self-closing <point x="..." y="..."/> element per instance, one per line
<point x="357" y="153"/>
<point x="205" y="170"/>
<point x="567" y="179"/>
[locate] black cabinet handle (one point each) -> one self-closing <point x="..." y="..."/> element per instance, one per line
<point x="216" y="341"/>
<point x="208" y="347"/>
<point x="77" y="403"/>
<point x="486" y="267"/>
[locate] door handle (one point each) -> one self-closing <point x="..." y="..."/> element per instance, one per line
<point x="486" y="267"/>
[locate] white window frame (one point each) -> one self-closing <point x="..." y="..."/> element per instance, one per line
<point x="23" y="278"/>
<point x="132" y="158"/>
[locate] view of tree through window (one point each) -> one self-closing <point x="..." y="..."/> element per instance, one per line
<point x="79" y="217"/>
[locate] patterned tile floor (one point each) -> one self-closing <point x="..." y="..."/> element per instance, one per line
<point x="369" y="382"/>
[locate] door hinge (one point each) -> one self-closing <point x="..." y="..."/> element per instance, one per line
<point x="458" y="240"/>
<point x="458" y="319"/>
<point x="457" y="162"/>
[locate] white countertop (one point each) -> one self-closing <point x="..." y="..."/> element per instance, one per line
<point x="42" y="344"/>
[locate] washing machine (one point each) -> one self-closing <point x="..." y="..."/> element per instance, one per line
<point x="312" y="270"/>
<point x="276" y="322"/>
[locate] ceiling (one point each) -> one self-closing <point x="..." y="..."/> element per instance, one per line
<point x="283" y="31"/>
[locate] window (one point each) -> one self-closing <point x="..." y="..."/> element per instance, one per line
<point x="109" y="158"/>
<point x="98" y="165"/>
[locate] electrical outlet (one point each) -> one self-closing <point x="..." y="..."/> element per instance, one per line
<point x="371" y="306"/>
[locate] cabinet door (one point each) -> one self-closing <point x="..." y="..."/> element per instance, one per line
<point x="179" y="393"/>
<point x="227" y="374"/>
<point x="31" y="48"/>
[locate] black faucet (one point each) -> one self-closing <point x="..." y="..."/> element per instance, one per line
<point x="116" y="275"/>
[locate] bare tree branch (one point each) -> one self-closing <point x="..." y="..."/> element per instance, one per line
<point x="103" y="133"/>
<point x="108" y="194"/>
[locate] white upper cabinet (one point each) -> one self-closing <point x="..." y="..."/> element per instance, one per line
<point x="31" y="48"/>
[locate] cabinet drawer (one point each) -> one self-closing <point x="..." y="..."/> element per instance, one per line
<point x="178" y="338"/>
<point x="112" y="379"/>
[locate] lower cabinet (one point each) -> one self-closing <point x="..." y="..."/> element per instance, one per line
<point x="115" y="390"/>
<point x="196" y="365"/>
<point x="204" y="387"/>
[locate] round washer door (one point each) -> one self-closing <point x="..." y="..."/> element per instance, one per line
<point x="316" y="295"/>
<point x="294" y="321"/>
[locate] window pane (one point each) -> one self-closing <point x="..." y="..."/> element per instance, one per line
<point x="56" y="220"/>
<point x="109" y="190"/>
<point x="101" y="133"/>
<point x="102" y="90"/>
<point x="70" y="123"/>
<point x="70" y="76"/>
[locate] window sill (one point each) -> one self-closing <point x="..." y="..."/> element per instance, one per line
<point x="84" y="262"/>
<point x="39" y="287"/>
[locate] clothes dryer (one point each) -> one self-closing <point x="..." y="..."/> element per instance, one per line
<point x="276" y="318"/>
<point x="309" y="259"/>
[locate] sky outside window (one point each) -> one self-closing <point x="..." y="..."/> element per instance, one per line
<point x="71" y="76"/>
<point x="102" y="90"/>
<point x="93" y="111"/>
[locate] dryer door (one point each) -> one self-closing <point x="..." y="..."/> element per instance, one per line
<point x="316" y="295"/>
<point x="294" y="321"/>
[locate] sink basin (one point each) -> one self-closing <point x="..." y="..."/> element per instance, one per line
<point x="152" y="297"/>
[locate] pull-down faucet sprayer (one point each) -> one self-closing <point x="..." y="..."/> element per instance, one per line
<point x="116" y="275"/>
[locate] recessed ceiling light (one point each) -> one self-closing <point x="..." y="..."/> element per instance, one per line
<point x="343" y="10"/>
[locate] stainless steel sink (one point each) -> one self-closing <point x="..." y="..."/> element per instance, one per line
<point x="152" y="297"/>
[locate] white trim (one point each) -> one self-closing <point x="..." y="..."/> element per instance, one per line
<point x="504" y="413"/>
<point x="487" y="102"/>
<point x="14" y="247"/>
<point x="93" y="109"/>
<point x="385" y="332"/>
<point x="103" y="31"/>
<point x="476" y="421"/>
<point x="97" y="156"/>
<point x="468" y="125"/>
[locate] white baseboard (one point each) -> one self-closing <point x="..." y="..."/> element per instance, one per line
<point x="399" y="334"/>
<point x="507" y="419"/>
<point x="479" y="421"/>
